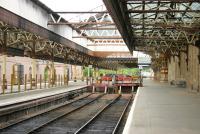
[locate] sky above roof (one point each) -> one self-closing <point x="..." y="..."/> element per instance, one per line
<point x="72" y="5"/>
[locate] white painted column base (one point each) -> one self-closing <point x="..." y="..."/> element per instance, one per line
<point x="105" y="91"/>
<point x="93" y="89"/>
<point x="120" y="89"/>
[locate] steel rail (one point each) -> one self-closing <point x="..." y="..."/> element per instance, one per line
<point x="39" y="114"/>
<point x="122" y="115"/>
<point x="96" y="115"/>
<point x="34" y="130"/>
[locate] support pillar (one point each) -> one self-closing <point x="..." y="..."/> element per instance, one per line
<point x="25" y="83"/>
<point x="164" y="71"/>
<point x="89" y="74"/>
<point x="52" y="78"/>
<point x="95" y="75"/>
<point x="97" y="72"/>
<point x="82" y="73"/>
<point x="4" y="49"/>
<point x="52" y="69"/>
<point x="33" y="64"/>
<point x="14" y="75"/>
<point x="65" y="72"/>
<point x="4" y="64"/>
<point x="65" y="69"/>
<point x="4" y="81"/>
<point x="75" y="73"/>
<point x="92" y="77"/>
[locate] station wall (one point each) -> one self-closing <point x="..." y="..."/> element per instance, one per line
<point x="40" y="68"/>
<point x="186" y="67"/>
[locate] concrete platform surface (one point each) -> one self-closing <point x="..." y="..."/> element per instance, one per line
<point x="163" y="109"/>
<point x="13" y="98"/>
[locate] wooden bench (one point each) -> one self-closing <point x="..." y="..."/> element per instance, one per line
<point x="179" y="83"/>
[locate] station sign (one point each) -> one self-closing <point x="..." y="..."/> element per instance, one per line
<point x="144" y="60"/>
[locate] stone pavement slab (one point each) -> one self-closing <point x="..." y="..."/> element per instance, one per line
<point x="163" y="109"/>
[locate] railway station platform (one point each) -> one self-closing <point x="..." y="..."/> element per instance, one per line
<point x="163" y="109"/>
<point x="8" y="99"/>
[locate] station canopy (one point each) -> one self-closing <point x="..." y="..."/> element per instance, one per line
<point x="151" y="26"/>
<point x="93" y="22"/>
<point x="157" y="26"/>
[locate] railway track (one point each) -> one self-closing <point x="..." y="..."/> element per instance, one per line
<point x="108" y="119"/>
<point x="95" y="113"/>
<point x="70" y="123"/>
<point x="30" y="124"/>
<point x="13" y="113"/>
